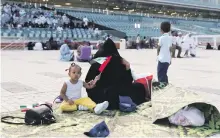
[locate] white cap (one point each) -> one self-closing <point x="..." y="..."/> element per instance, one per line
<point x="179" y="33"/>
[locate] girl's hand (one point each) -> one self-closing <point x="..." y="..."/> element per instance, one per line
<point x="89" y="85"/>
<point x="70" y="102"/>
<point x="90" y="82"/>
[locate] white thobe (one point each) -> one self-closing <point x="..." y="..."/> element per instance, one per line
<point x="187" y="42"/>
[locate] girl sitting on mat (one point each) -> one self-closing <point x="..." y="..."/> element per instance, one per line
<point x="71" y="93"/>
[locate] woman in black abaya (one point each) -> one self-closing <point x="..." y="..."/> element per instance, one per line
<point x="116" y="79"/>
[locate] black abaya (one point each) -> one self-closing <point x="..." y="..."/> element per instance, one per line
<point x="115" y="80"/>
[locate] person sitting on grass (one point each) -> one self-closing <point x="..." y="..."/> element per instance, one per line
<point x="71" y="93"/>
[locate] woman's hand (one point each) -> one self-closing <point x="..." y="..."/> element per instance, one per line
<point x="126" y="63"/>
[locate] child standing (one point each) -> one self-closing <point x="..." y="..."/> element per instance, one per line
<point x="71" y="93"/>
<point x="164" y="51"/>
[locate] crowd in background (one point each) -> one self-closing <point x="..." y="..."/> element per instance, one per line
<point x="53" y="44"/>
<point x="141" y="42"/>
<point x="19" y="15"/>
<point x="29" y="16"/>
<point x="180" y="42"/>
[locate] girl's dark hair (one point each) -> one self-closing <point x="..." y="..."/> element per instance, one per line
<point x="73" y="65"/>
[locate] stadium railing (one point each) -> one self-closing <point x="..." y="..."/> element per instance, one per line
<point x="195" y="3"/>
<point x="13" y="43"/>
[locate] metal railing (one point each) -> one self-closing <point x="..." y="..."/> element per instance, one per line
<point x="214" y="4"/>
<point x="13" y="43"/>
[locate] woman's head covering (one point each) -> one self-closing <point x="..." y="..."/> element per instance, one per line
<point x="107" y="49"/>
<point x="67" y="41"/>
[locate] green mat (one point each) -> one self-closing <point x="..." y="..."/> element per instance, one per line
<point x="164" y="103"/>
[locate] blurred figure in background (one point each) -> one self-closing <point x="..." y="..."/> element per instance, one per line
<point x="80" y="47"/>
<point x="65" y="53"/>
<point x="85" y="22"/>
<point x="193" y="48"/>
<point x="97" y="33"/>
<point x="150" y="43"/>
<point x="208" y="46"/>
<point x="174" y="43"/>
<point x="187" y="43"/>
<point x="99" y="43"/>
<point x="179" y="41"/>
<point x="38" y="46"/>
<point x="138" y="41"/>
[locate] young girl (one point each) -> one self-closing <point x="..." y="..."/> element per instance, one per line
<point x="71" y="93"/>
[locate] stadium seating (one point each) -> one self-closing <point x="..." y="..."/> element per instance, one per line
<point x="45" y="34"/>
<point x="119" y="22"/>
<point x="124" y="23"/>
<point x="149" y="26"/>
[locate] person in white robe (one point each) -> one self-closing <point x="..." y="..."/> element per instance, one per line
<point x="180" y="39"/>
<point x="193" y="48"/>
<point x="38" y="46"/>
<point x="175" y="45"/>
<point x="65" y="53"/>
<point x="187" y="43"/>
<point x="59" y="29"/>
<point x="86" y="21"/>
<point x="179" y="44"/>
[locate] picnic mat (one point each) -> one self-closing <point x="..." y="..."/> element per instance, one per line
<point x="164" y="103"/>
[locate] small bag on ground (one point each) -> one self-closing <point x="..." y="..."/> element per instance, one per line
<point x="36" y="116"/>
<point x="126" y="104"/>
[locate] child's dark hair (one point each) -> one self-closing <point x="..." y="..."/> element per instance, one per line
<point x="165" y="27"/>
<point x="73" y="65"/>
